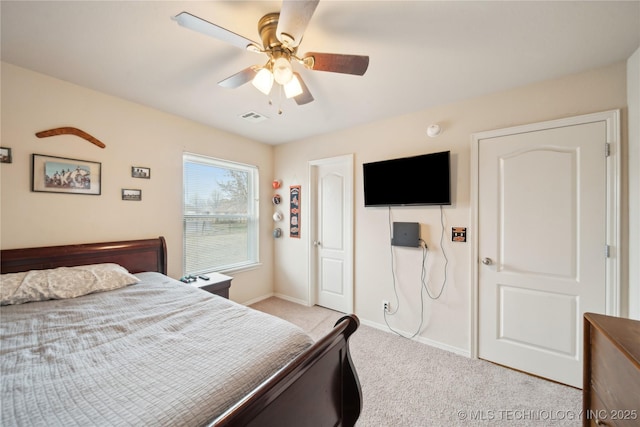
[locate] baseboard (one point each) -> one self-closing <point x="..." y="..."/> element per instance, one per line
<point x="277" y="295"/>
<point x="255" y="300"/>
<point x="384" y="328"/>
<point x="432" y="343"/>
<point x="288" y="298"/>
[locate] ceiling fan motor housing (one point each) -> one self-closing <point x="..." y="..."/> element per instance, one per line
<point x="267" y="27"/>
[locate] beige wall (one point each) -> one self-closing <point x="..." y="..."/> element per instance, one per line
<point x="447" y="319"/>
<point x="633" y="165"/>
<point x="137" y="135"/>
<point x="134" y="135"/>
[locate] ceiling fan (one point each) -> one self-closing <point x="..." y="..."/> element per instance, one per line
<point x="281" y="34"/>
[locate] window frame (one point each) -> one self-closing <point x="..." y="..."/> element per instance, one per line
<point x="252" y="215"/>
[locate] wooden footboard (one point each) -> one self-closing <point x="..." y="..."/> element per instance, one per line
<point x="319" y="388"/>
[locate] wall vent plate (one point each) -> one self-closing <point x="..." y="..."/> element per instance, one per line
<point x="406" y="234"/>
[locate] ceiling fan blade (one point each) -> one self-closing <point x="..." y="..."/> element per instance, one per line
<point x="337" y="63"/>
<point x="192" y="22"/>
<point x="294" y="18"/>
<point x="240" y="78"/>
<point x="305" y="97"/>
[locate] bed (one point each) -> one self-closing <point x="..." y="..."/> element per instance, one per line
<point x="157" y="353"/>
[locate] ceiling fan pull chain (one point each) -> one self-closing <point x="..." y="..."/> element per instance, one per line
<point x="280" y="100"/>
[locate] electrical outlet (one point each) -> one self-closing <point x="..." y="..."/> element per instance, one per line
<point x="386" y="306"/>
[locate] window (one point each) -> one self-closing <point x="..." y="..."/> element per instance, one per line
<point x="220" y="215"/>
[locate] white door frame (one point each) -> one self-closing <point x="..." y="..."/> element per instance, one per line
<point x="612" y="118"/>
<point x="347" y="159"/>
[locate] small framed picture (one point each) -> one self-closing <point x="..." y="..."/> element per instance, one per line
<point x="140" y="172"/>
<point x="130" y="194"/>
<point x="52" y="174"/>
<point x="294" y="211"/>
<point x="5" y="155"/>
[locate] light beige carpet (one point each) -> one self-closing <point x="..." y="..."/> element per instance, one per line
<point x="406" y="383"/>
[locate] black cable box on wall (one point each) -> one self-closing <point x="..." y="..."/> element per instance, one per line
<point x="406" y="234"/>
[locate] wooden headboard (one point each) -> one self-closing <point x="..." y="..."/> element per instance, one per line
<point x="134" y="255"/>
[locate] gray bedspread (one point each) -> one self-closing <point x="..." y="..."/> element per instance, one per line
<point x="158" y="353"/>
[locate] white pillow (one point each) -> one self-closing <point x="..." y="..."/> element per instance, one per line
<point x="63" y="282"/>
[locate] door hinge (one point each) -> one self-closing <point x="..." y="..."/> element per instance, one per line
<point x="607" y="149"/>
<point x="607" y="251"/>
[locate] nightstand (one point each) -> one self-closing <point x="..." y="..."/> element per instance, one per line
<point x="218" y="284"/>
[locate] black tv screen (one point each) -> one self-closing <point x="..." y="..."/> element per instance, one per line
<point x="417" y="180"/>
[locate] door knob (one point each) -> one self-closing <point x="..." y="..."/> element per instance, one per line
<point x="316" y="243"/>
<point x="487" y="261"/>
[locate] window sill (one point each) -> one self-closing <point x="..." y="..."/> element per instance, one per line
<point x="240" y="268"/>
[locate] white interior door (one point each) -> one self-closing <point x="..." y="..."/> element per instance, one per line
<point x="542" y="239"/>
<point x="332" y="250"/>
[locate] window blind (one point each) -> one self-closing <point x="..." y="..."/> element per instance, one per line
<point x="220" y="215"/>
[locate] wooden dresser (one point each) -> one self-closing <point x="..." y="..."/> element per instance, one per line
<point x="611" y="381"/>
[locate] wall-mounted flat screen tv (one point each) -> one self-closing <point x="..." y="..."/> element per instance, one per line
<point x="409" y="181"/>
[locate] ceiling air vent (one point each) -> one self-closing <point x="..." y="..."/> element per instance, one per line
<point x="253" y="117"/>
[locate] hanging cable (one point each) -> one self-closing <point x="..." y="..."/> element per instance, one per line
<point x="395" y="291"/>
<point x="446" y="262"/>
<point x="423" y="276"/>
<point x="393" y="268"/>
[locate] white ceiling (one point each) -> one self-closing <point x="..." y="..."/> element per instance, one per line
<point x="422" y="54"/>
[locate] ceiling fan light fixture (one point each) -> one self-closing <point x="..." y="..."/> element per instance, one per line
<point x="280" y="35"/>
<point x="293" y="88"/>
<point x="282" y="70"/>
<point x="263" y="81"/>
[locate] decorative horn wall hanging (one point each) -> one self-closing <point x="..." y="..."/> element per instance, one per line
<point x="71" y="131"/>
